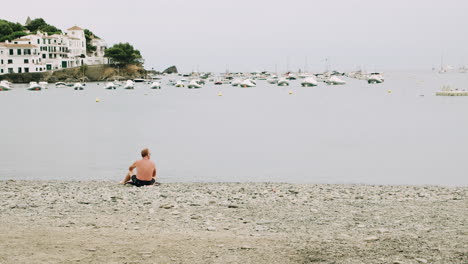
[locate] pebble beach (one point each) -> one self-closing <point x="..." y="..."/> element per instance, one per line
<point x="103" y="222"/>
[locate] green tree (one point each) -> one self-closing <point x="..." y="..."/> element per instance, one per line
<point x="10" y="31"/>
<point x="90" y="36"/>
<point x="124" y="54"/>
<point x="39" y="24"/>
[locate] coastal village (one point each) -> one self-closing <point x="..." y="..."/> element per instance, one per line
<point x="42" y="52"/>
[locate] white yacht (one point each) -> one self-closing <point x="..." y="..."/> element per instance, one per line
<point x="34" y="86"/>
<point x="290" y="76"/>
<point x="247" y="83"/>
<point x="375" y="77"/>
<point x="179" y="84"/>
<point x="129" y="85"/>
<point x="5" y="85"/>
<point x="334" y="80"/>
<point x="448" y="91"/>
<point x="194" y="84"/>
<point x="171" y="82"/>
<point x="283" y="82"/>
<point x="273" y="79"/>
<point x="110" y="86"/>
<point x="78" y="86"/>
<point x="43" y="85"/>
<point x="309" y="82"/>
<point x="156" y="85"/>
<point x="236" y="82"/>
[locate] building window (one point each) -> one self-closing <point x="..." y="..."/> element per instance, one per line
<point x="38" y="41"/>
<point x="1" y="70"/>
<point x="11" y="52"/>
<point x="26" y="61"/>
<point x="43" y="56"/>
<point x="26" y="69"/>
<point x="18" y="51"/>
<point x="19" y="70"/>
<point x="10" y="70"/>
<point x="2" y="61"/>
<point x="10" y="61"/>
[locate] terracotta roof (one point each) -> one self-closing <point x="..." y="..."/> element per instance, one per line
<point x="74" y="38"/>
<point x="18" y="45"/>
<point x="22" y="39"/>
<point x="75" y="28"/>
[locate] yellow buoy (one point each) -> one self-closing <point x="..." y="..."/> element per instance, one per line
<point x="97" y="100"/>
<point x="389" y="91"/>
<point x="290" y="92"/>
<point x="220" y="94"/>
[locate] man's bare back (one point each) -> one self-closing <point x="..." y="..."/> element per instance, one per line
<point x="146" y="171"/>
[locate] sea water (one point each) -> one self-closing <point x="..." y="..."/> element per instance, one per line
<point x="397" y="132"/>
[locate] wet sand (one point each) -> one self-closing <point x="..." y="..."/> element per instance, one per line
<point x="103" y="222"/>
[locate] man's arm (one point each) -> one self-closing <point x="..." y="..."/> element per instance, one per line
<point x="154" y="172"/>
<point x="132" y="167"/>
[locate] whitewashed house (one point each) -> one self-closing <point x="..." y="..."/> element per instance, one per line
<point x="41" y="52"/>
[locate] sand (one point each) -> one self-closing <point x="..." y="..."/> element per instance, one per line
<point x="102" y="222"/>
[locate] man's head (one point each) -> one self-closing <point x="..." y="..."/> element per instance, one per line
<point x="145" y="153"/>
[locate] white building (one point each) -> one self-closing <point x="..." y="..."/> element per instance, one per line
<point x="41" y="52"/>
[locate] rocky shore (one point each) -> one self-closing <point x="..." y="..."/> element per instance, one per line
<point x="102" y="222"/>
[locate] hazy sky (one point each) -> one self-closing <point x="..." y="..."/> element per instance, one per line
<point x="246" y="35"/>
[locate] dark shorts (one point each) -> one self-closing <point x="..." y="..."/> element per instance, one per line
<point x="138" y="183"/>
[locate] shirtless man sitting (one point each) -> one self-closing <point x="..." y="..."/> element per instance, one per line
<point x="146" y="171"/>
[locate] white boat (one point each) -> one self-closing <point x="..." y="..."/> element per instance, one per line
<point x="34" y="86"/>
<point x="129" y="85"/>
<point x="78" y="86"/>
<point x="60" y="84"/>
<point x="309" y="82"/>
<point x="283" y="82"/>
<point x="43" y="85"/>
<point x="236" y="82"/>
<point x="375" y="77"/>
<point x="290" y="76"/>
<point x="247" y="83"/>
<point x="156" y="85"/>
<point x="179" y="84"/>
<point x="273" y="79"/>
<point x="194" y="84"/>
<point x="5" y="85"/>
<point x="139" y="80"/>
<point x="334" y="80"/>
<point x="171" y="82"/>
<point x="110" y="86"/>
<point x="447" y="91"/>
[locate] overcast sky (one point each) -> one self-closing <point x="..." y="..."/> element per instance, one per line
<point x="246" y="35"/>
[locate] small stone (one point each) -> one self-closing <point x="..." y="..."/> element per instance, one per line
<point x="211" y="228"/>
<point x="421" y="260"/>
<point x="361" y="226"/>
<point x="233" y="206"/>
<point x="383" y="230"/>
<point x="397" y="262"/>
<point x="166" y="206"/>
<point x="91" y="249"/>
<point x="371" y="239"/>
<point x="175" y="213"/>
<point x="246" y="247"/>
<point x="195" y="217"/>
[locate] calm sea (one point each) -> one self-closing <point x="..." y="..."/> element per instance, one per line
<point x="355" y="133"/>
